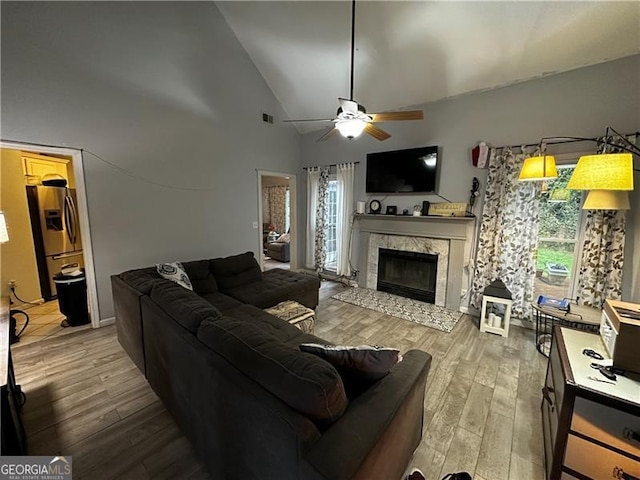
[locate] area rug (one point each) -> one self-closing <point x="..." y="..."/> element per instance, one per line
<point x="426" y="314"/>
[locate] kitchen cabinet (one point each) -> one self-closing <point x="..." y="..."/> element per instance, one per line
<point x="37" y="166"/>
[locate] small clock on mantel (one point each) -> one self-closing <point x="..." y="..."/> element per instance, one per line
<point x="375" y="206"/>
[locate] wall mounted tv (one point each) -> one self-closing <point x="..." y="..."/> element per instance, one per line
<point x="413" y="170"/>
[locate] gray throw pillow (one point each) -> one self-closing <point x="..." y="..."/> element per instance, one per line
<point x="367" y="362"/>
<point x="359" y="367"/>
<point x="175" y="272"/>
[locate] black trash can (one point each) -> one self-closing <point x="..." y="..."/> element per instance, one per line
<point x="72" y="298"/>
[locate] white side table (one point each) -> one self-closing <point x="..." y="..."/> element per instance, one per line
<point x="492" y="320"/>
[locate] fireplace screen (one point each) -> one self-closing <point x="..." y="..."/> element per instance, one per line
<point x="408" y="274"/>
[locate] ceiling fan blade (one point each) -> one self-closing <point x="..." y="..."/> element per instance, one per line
<point x="348" y="106"/>
<point x="389" y="116"/>
<point x="376" y="132"/>
<point x="310" y="120"/>
<point x="327" y="134"/>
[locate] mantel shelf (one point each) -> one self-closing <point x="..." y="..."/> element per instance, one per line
<point x="424" y="218"/>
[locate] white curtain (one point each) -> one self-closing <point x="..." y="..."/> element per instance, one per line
<point x="344" y="178"/>
<point x="313" y="182"/>
<point x="287" y="211"/>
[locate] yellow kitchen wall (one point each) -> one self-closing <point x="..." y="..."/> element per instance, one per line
<point x="18" y="261"/>
<point x="1" y="244"/>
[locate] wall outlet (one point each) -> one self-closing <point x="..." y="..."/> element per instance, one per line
<point x="463" y="293"/>
<point x="255" y="225"/>
<point x="12" y="284"/>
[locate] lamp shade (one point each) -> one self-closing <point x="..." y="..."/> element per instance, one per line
<point x="559" y="195"/>
<point x="4" y="233"/>
<point x="610" y="171"/>
<point x="542" y="167"/>
<point x="607" y="200"/>
<point x="351" y="127"/>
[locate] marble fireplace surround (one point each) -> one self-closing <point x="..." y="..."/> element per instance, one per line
<point x="406" y="243"/>
<point x="444" y="236"/>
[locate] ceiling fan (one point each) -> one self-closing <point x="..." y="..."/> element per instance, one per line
<point x="352" y="118"/>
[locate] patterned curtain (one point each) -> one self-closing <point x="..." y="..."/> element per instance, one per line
<point x="508" y="233"/>
<point x="602" y="257"/>
<point x="313" y="180"/>
<point x="603" y="252"/>
<point x="320" y="255"/>
<point x="276" y="206"/>
<point x="344" y="176"/>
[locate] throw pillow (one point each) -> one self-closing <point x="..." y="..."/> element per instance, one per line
<point x="358" y="366"/>
<point x="174" y="272"/>
<point x="284" y="238"/>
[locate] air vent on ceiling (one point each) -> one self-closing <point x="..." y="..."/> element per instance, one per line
<point x="267" y="118"/>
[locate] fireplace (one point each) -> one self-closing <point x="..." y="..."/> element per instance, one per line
<point x="408" y="274"/>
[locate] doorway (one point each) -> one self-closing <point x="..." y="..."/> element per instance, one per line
<point x="277" y="222"/>
<point x="24" y="258"/>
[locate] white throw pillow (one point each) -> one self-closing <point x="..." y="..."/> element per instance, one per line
<point x="175" y="272"/>
<point x="284" y="238"/>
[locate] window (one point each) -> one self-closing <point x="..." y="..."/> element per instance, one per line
<point x="331" y="226"/>
<point x="558" y="237"/>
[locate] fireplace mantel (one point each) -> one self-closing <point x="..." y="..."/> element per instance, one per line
<point x="428" y="226"/>
<point x="456" y="230"/>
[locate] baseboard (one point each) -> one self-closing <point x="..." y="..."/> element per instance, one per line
<point x="107" y="321"/>
<point x="26" y="306"/>
<point x="519" y="323"/>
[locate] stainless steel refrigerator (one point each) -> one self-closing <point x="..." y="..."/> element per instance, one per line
<point x="56" y="233"/>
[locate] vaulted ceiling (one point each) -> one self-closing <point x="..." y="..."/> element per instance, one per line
<point x="409" y="53"/>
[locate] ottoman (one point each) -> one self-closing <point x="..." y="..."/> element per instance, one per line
<point x="298" y="315"/>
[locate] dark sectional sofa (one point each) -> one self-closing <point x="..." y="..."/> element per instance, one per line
<point x="252" y="404"/>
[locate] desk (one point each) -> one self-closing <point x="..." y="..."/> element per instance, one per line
<point x="12" y="435"/>
<point x="580" y="318"/>
<point x="590" y="428"/>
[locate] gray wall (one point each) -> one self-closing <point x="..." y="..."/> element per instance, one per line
<point x="578" y="103"/>
<point x="163" y="90"/>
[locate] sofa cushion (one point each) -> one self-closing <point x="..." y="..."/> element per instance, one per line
<point x="184" y="306"/>
<point x="235" y="271"/>
<point x="175" y="272"/>
<point x="142" y="279"/>
<point x="306" y="383"/>
<point x="222" y="302"/>
<point x="202" y="279"/>
<point x="280" y="329"/>
<point x="277" y="285"/>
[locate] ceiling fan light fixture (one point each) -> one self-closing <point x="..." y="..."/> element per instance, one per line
<point x="351" y="127"/>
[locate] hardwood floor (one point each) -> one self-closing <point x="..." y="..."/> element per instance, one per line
<point x="482" y="410"/>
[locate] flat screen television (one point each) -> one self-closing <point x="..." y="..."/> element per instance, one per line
<point x="413" y="170"/>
